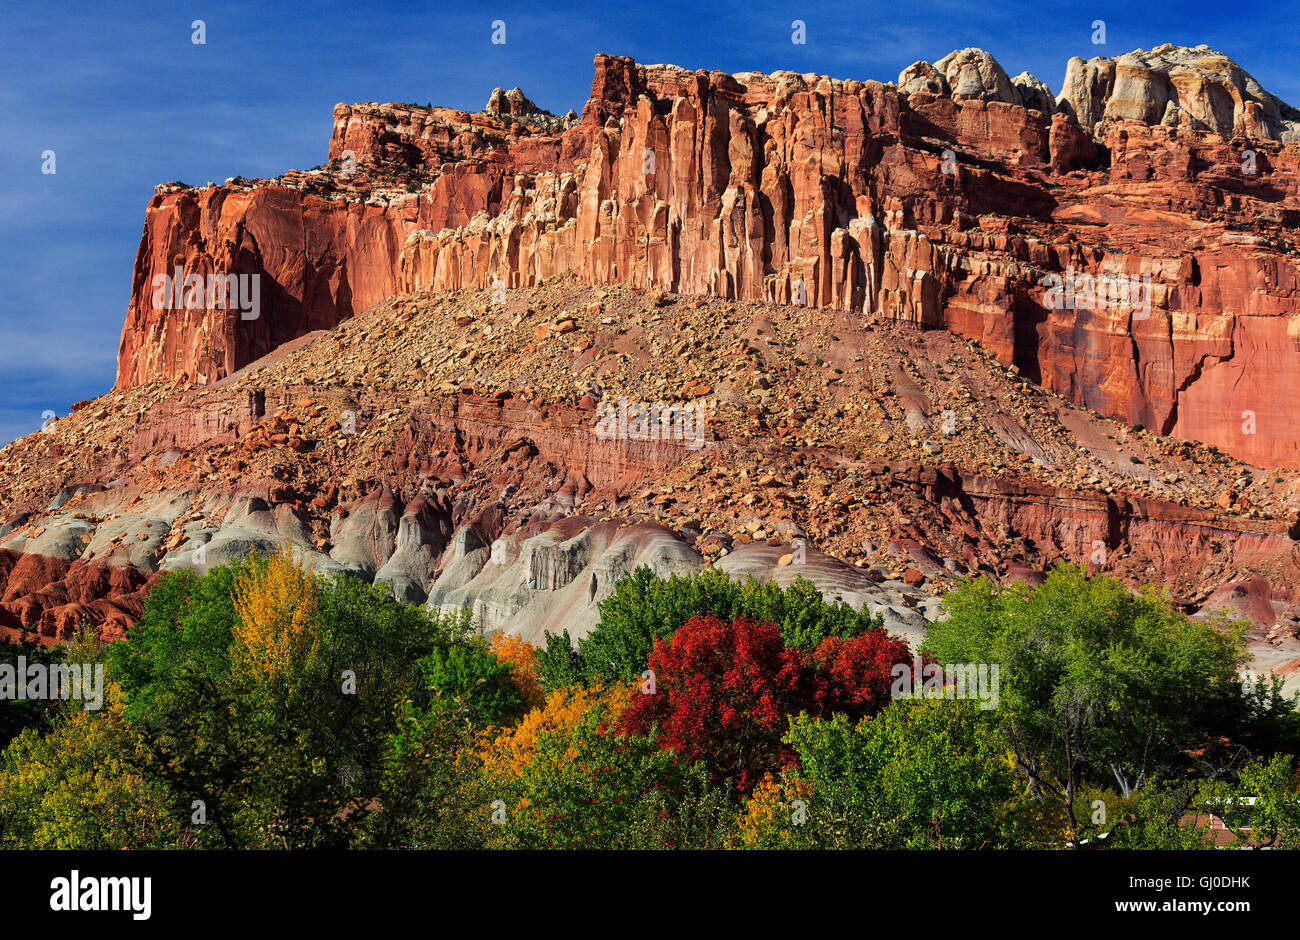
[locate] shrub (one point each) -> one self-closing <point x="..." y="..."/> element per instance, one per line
<point x="644" y="608"/>
<point x="723" y="692"/>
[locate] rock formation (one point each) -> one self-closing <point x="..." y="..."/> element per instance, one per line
<point x="942" y="202"/>
<point x="1174" y="86"/>
<point x="974" y="74"/>
<point x="900" y="314"/>
<point x="512" y="102"/>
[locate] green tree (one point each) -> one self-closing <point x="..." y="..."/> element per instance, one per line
<point x="919" y="774"/>
<point x="430" y="792"/>
<point x="19" y="714"/>
<point x="186" y="630"/>
<point x="471" y="672"/>
<point x="1159" y="816"/>
<point x="1096" y="682"/>
<point x="644" y="608"/>
<point x="1262" y="808"/>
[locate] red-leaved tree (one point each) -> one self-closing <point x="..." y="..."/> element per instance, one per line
<point x="853" y="676"/>
<point x="723" y="691"/>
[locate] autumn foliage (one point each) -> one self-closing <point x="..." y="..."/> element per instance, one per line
<point x="722" y="694"/>
<point x="317" y="712"/>
<point x="515" y="651"/>
<point x="764" y="821"/>
<point x="277" y="605"/>
<point x="854" y="676"/>
<point x="724" y="691"/>
<point x="560" y="712"/>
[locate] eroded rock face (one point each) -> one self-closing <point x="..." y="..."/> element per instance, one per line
<point x="944" y="202"/>
<point x="1175" y="86"/>
<point x="548" y="581"/>
<point x="973" y="73"/>
<point x="1034" y="93"/>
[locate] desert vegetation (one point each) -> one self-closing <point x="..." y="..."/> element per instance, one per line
<point x="263" y="706"/>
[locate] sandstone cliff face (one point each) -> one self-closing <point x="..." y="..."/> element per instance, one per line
<point x="973" y="73"/>
<point x="1176" y="87"/>
<point x="943" y="201"/>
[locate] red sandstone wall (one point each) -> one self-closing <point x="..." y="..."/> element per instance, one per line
<point x="790" y="188"/>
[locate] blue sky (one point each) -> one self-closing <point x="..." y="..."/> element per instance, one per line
<point x="126" y="100"/>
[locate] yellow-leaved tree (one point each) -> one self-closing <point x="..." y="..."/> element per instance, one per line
<point x="560" y="712"/>
<point x="278" y="603"/>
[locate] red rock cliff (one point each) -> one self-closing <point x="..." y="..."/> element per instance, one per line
<point x="939" y="201"/>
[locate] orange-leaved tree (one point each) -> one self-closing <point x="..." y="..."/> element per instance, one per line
<point x="521" y="656"/>
<point x="561" y="711"/>
<point x="768" y="813"/>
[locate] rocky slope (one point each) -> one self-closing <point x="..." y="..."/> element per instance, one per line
<point x="943" y="200"/>
<point x="841" y="287"/>
<point x="455" y="446"/>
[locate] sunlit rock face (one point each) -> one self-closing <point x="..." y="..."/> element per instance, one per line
<point x="941" y="201"/>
